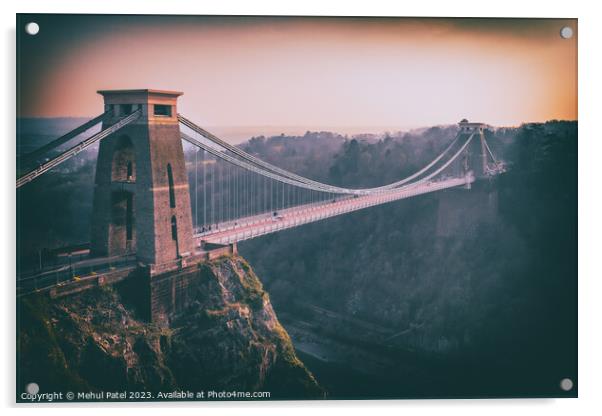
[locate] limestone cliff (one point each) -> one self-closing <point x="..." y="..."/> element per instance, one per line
<point x="228" y="338"/>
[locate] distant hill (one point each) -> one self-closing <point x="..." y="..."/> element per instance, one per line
<point x="48" y="126"/>
<point x="37" y="131"/>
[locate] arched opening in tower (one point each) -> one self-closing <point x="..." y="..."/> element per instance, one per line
<point x="124" y="161"/>
<point x="172" y="192"/>
<point x="174" y="233"/>
<point x="123" y="170"/>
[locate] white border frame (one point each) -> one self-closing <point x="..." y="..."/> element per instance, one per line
<point x="590" y="346"/>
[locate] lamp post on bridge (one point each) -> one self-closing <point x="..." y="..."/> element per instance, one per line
<point x="196" y="186"/>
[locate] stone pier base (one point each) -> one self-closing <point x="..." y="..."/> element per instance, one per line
<point x="173" y="290"/>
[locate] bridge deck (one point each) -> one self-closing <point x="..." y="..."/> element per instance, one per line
<point x="243" y="229"/>
<point x="294" y="217"/>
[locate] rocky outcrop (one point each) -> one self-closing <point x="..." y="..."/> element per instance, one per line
<point x="228" y="338"/>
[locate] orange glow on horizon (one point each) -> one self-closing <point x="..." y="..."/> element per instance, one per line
<point x="320" y="72"/>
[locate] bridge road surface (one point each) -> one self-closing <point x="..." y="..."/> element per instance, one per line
<point x="52" y="276"/>
<point x="305" y="214"/>
<point x="243" y="229"/>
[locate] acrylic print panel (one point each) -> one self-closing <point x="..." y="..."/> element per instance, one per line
<point x="269" y="208"/>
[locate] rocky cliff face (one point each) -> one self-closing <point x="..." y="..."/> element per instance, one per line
<point x="228" y="338"/>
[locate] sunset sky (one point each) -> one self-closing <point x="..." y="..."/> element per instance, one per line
<point x="307" y="73"/>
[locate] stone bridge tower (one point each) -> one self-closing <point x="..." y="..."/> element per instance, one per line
<point x="141" y="195"/>
<point x="476" y="152"/>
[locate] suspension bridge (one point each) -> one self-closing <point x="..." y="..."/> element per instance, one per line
<point x="152" y="211"/>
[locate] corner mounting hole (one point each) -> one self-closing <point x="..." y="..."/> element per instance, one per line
<point x="32" y="388"/>
<point x="566" y="32"/>
<point x="32" y="28"/>
<point x="566" y="384"/>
